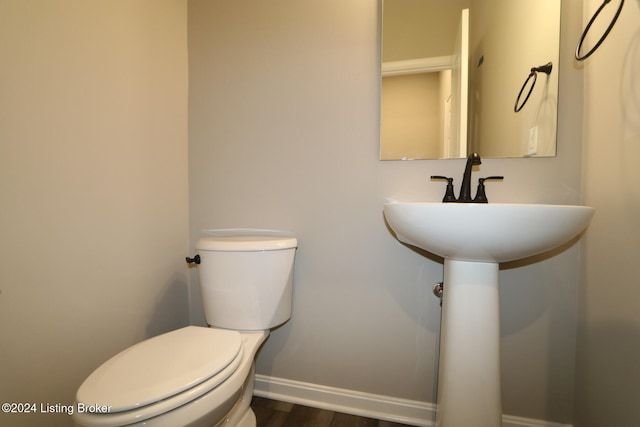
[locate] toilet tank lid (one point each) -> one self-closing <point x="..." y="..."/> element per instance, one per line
<point x="246" y="239"/>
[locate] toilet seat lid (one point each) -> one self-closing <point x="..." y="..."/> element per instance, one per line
<point x="160" y="367"/>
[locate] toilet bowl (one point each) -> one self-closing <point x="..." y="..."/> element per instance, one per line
<point x="201" y="376"/>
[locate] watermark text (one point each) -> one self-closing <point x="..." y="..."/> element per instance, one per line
<point x="53" y="408"/>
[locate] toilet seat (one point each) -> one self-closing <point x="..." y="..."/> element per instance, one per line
<point x="161" y="373"/>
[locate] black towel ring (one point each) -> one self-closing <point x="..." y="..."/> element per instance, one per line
<point x="546" y="68"/>
<point x="588" y="27"/>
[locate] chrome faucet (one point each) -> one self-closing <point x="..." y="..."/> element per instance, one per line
<point x="465" y="188"/>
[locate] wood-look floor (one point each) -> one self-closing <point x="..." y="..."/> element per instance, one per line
<point x="271" y="413"/>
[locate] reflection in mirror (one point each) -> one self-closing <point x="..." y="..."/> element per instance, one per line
<point x="432" y="107"/>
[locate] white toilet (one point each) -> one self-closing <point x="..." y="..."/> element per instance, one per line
<point x="199" y="376"/>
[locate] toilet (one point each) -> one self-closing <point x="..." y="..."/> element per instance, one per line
<point x="201" y="376"/>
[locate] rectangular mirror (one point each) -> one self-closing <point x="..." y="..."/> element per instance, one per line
<point x="454" y="72"/>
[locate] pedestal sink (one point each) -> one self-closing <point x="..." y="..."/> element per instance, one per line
<point x="473" y="239"/>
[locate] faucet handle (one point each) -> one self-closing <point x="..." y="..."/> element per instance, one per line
<point x="481" y="196"/>
<point x="449" y="195"/>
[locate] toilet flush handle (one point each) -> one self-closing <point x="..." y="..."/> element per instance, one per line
<point x="194" y="260"/>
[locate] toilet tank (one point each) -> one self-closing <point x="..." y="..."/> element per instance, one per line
<point x="246" y="277"/>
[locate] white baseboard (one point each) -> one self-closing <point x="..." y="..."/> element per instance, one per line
<point x="511" y="421"/>
<point x="386" y="408"/>
<point x="346" y="401"/>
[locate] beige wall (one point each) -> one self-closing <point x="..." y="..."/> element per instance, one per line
<point x="608" y="362"/>
<point x="412" y="117"/>
<point x="512" y="37"/>
<point x="420" y="29"/>
<point x="93" y="189"/>
<point x="283" y="118"/>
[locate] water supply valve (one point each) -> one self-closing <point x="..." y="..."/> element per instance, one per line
<point x="438" y="290"/>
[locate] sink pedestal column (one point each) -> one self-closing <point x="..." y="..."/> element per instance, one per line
<point x="469" y="365"/>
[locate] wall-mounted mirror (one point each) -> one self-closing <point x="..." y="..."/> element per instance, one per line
<point x="452" y="71"/>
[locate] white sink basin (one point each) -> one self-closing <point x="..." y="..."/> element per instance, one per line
<point x="491" y="232"/>
<point x="473" y="239"/>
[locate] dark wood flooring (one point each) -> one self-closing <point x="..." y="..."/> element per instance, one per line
<point x="271" y="413"/>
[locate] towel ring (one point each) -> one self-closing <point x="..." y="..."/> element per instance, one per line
<point x="532" y="75"/>
<point x="588" y="27"/>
